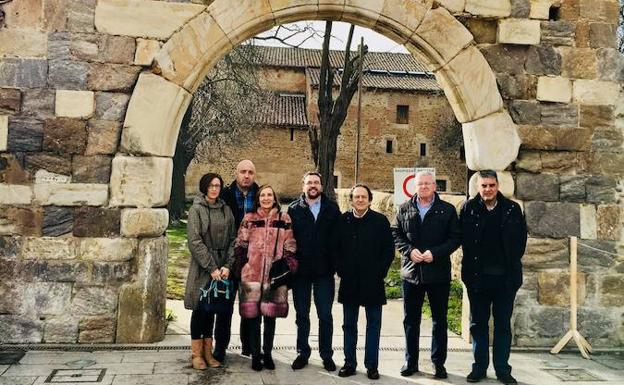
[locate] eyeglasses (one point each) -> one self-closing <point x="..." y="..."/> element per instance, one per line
<point x="214" y="186"/>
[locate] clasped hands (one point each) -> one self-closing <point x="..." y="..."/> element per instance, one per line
<point x="219" y="274"/>
<point x="417" y="257"/>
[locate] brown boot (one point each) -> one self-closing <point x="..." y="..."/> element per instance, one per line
<point x="197" y="356"/>
<point x="210" y="360"/>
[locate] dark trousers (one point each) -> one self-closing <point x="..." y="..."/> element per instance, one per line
<point x="373" y="332"/>
<point x="254" y="335"/>
<point x="496" y="295"/>
<point x="203" y="324"/>
<point x="413" y="298"/>
<point x="324" y="289"/>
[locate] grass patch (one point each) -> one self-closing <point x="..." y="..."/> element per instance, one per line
<point x="179" y="255"/>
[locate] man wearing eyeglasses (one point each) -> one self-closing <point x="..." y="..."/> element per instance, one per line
<point x="494" y="237"/>
<point x="426" y="232"/>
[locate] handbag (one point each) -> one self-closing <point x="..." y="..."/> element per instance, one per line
<point x="217" y="297"/>
<point x="280" y="273"/>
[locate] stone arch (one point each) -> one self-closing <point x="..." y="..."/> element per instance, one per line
<point x="426" y="28"/>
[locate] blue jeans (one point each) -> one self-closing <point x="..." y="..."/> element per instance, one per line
<point x="373" y="332"/>
<point x="496" y="295"/>
<point x="413" y="298"/>
<point x="324" y="288"/>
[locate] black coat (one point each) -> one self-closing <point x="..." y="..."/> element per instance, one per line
<point x="363" y="250"/>
<point x="228" y="195"/>
<point x="314" y="237"/>
<point x="514" y="239"/>
<point x="438" y="233"/>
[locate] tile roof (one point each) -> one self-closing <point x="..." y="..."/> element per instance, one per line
<point x="389" y="81"/>
<point x="284" y="110"/>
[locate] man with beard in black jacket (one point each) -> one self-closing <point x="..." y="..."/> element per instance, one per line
<point x="426" y="233"/>
<point x="313" y="217"/>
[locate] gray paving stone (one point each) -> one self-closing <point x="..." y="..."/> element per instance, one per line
<point x="151" y="356"/>
<point x="106" y="380"/>
<point x="30" y="370"/>
<point x="150" y="379"/>
<point x="131" y="368"/>
<point x="180" y="367"/>
<point x="6" y="380"/>
<point x="3" y="368"/>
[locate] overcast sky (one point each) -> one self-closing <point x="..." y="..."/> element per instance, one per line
<point x="340" y="31"/>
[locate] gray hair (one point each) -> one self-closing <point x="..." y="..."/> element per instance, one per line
<point x="488" y="174"/>
<point x="424" y="173"/>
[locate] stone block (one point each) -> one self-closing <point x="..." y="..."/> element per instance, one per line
<point x="144" y="222"/>
<point x="554" y="288"/>
<point x="508" y="59"/>
<point x="595" y="116"/>
<point x="52" y="163"/>
<point x="453" y="6"/>
<point x="595" y="92"/>
<point x="20" y="329"/>
<point x="102" y="137"/>
<point x="555" y="138"/>
<point x="506" y="184"/>
<point x="48" y="248"/>
<point x="543" y="60"/>
<point x="609" y="222"/>
<point x="517" y="86"/>
<point x="578" y="63"/>
<point x="151" y="125"/>
<point x="111" y="273"/>
<point x="57" y="221"/>
<point x="111" y="106"/>
<point x="599" y="10"/>
<point x="556" y="220"/>
<point x="93" y="300"/>
<point x="520" y="8"/>
<point x="23" y="73"/>
<point x="140" y="181"/>
<point x="141" y="315"/>
<point x="558" y="33"/>
<point x="74" y="104"/>
<point x="112" y="77"/>
<point x="22" y="43"/>
<point x="607" y="163"/>
<point x="4" y="132"/>
<point x="482" y="30"/>
<point x="582" y="34"/>
<point x="146" y="50"/>
<point x="572" y="189"/>
<point x="24" y="14"/>
<point x="10" y="100"/>
<point x="38" y="103"/>
<point x="491" y="142"/>
<point x="116" y="49"/>
<point x="80" y="16"/>
<point x="43" y="176"/>
<point x="611" y="290"/>
<point x="24" y="135"/>
<point x="607" y="139"/>
<point x="10" y="247"/>
<point x="107" y="249"/>
<point x="68" y="74"/>
<point x="71" y="194"/>
<point x="71" y="46"/>
<point x="96" y="329"/>
<point x="525" y="111"/>
<point x="610" y="65"/>
<point x="549" y="321"/>
<point x="540" y="9"/>
<point x="602" y="35"/>
<point x="396" y="20"/>
<point x="91" y="169"/>
<point x="546" y="253"/>
<point x="559" y="115"/>
<point x="486" y="8"/>
<point x="519" y="31"/>
<point x="542" y="187"/>
<point x="588" y="222"/>
<point x="21" y="220"/>
<point x="594" y="258"/>
<point x="65" y="136"/>
<point x="96" y="222"/>
<point x="60" y="329"/>
<point x="554" y="89"/>
<point x="15" y="194"/>
<point x="529" y="161"/>
<point x="12" y="170"/>
<point x="153" y="19"/>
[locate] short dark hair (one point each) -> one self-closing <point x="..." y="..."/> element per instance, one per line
<point x="256" y="203"/>
<point x="370" y="193"/>
<point x="488" y="174"/>
<point x="310" y="173"/>
<point x="205" y="180"/>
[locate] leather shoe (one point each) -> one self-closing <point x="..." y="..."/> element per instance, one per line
<point x="407" y="370"/>
<point x="267" y="362"/>
<point x="346" y="371"/>
<point x="372" y="374"/>
<point x="299" y="363"/>
<point x="506" y="379"/>
<point x="475" y="376"/>
<point x="440" y="372"/>
<point x="256" y="363"/>
<point x="329" y="365"/>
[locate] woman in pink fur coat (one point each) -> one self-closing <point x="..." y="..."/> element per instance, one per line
<point x="265" y="236"/>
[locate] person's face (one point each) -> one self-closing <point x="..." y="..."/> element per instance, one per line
<point x="214" y="188"/>
<point x="312" y="186"/>
<point x="245" y="174"/>
<point x="267" y="198"/>
<point x="425" y="186"/>
<point x="488" y="188"/>
<point x="359" y="200"/>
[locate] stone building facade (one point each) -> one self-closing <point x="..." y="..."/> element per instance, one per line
<point x="92" y="94"/>
<point x="403" y="109"/>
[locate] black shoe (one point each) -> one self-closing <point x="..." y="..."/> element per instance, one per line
<point x="506" y="379"/>
<point x="440" y="372"/>
<point x="329" y="365"/>
<point x="267" y="362"/>
<point x="299" y="363"/>
<point x="245" y="352"/>
<point x="346" y="371"/>
<point x="219" y="356"/>
<point x="372" y="374"/>
<point x="256" y="363"/>
<point x="408" y="369"/>
<point x="475" y="376"/>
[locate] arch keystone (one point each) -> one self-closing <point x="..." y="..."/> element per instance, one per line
<point x="400" y="18"/>
<point x="491" y="142"/>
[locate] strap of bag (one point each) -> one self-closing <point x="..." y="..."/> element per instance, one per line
<point x="279" y="218"/>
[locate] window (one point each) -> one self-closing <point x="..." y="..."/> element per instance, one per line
<point x="423" y="149"/>
<point x="292" y="134"/>
<point x="402" y="114"/>
<point x="441" y="184"/>
<point x="553" y="13"/>
<point x="389" y="148"/>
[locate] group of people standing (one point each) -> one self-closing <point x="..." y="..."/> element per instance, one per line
<point x="239" y="233"/>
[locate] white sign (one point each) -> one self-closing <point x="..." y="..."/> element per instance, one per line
<point x="404" y="186"/>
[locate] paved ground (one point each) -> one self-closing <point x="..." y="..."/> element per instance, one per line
<point x="167" y="362"/>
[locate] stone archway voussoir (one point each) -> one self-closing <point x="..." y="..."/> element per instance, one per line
<point x="286" y="11"/>
<point x="400" y="18"/>
<point x="140" y="181"/>
<point x="330" y="9"/>
<point x="246" y="19"/>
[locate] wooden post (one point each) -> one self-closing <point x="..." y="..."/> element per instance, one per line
<point x="573" y="333"/>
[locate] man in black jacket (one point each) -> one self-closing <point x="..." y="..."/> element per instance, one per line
<point x="426" y="233"/>
<point x="313" y="217"/>
<point x="494" y="237"/>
